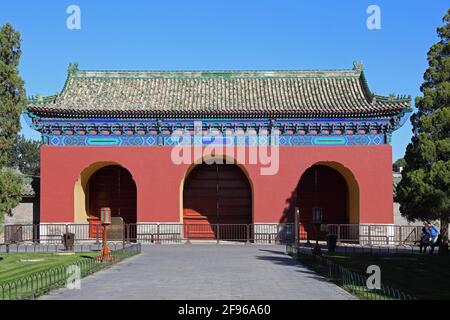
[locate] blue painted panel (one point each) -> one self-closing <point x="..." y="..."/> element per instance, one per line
<point x="239" y="140"/>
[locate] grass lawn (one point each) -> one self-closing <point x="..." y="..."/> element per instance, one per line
<point x="29" y="275"/>
<point x="15" y="265"/>
<point x="424" y="276"/>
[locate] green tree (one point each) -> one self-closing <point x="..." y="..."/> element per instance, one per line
<point x="424" y="192"/>
<point x="11" y="186"/>
<point x="24" y="156"/>
<point x="12" y="103"/>
<point x="12" y="92"/>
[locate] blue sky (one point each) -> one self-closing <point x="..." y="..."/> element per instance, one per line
<point x="228" y="34"/>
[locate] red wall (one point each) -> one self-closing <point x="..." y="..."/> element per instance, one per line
<point x="158" y="180"/>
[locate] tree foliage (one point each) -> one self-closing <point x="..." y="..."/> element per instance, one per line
<point x="24" y="156"/>
<point x="12" y="102"/>
<point x="424" y="192"/>
<point x="11" y="185"/>
<point x="12" y="92"/>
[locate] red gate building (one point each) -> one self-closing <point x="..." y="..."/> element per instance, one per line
<point x="141" y="142"/>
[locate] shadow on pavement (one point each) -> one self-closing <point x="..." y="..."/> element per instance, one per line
<point x="286" y="260"/>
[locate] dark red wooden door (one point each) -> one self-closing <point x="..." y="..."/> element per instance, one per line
<point x="113" y="187"/>
<point x="323" y="187"/>
<point x="216" y="194"/>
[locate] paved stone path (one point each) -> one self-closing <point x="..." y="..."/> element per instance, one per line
<point x="207" y="272"/>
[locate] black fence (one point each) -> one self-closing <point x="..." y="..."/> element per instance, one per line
<point x="36" y="247"/>
<point x="264" y="233"/>
<point x="375" y="234"/>
<point x="353" y="282"/>
<point x="157" y="233"/>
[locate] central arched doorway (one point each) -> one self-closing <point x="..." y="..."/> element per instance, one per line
<point x="113" y="187"/>
<point x="216" y="194"/>
<point x="322" y="186"/>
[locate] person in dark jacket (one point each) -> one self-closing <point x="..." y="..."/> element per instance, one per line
<point x="424" y="240"/>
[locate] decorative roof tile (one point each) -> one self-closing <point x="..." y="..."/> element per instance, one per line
<point x="194" y="94"/>
<point x="30" y="186"/>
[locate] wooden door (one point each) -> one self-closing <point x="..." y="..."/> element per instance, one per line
<point x="215" y="194"/>
<point x="323" y="187"/>
<point x="113" y="187"/>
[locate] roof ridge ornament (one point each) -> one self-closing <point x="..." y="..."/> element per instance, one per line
<point x="358" y="66"/>
<point x="73" y="67"/>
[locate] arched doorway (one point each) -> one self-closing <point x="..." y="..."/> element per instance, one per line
<point x="113" y="187"/>
<point x="322" y="186"/>
<point x="216" y="194"/>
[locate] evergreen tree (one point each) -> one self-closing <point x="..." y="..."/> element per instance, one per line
<point x="24" y="156"/>
<point x="10" y="191"/>
<point x="424" y="192"/>
<point x="12" y="102"/>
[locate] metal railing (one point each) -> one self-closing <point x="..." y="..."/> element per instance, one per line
<point x="245" y="233"/>
<point x="33" y="285"/>
<point x="375" y="234"/>
<point x="81" y="247"/>
<point x="263" y="233"/>
<point x="158" y="233"/>
<point x="351" y="281"/>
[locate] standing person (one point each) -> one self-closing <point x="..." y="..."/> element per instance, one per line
<point x="434" y="236"/>
<point x="424" y="240"/>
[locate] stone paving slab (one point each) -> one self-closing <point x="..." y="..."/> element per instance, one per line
<point x="209" y="272"/>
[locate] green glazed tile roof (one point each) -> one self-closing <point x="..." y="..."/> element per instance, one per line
<point x="30" y="186"/>
<point x="329" y="93"/>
